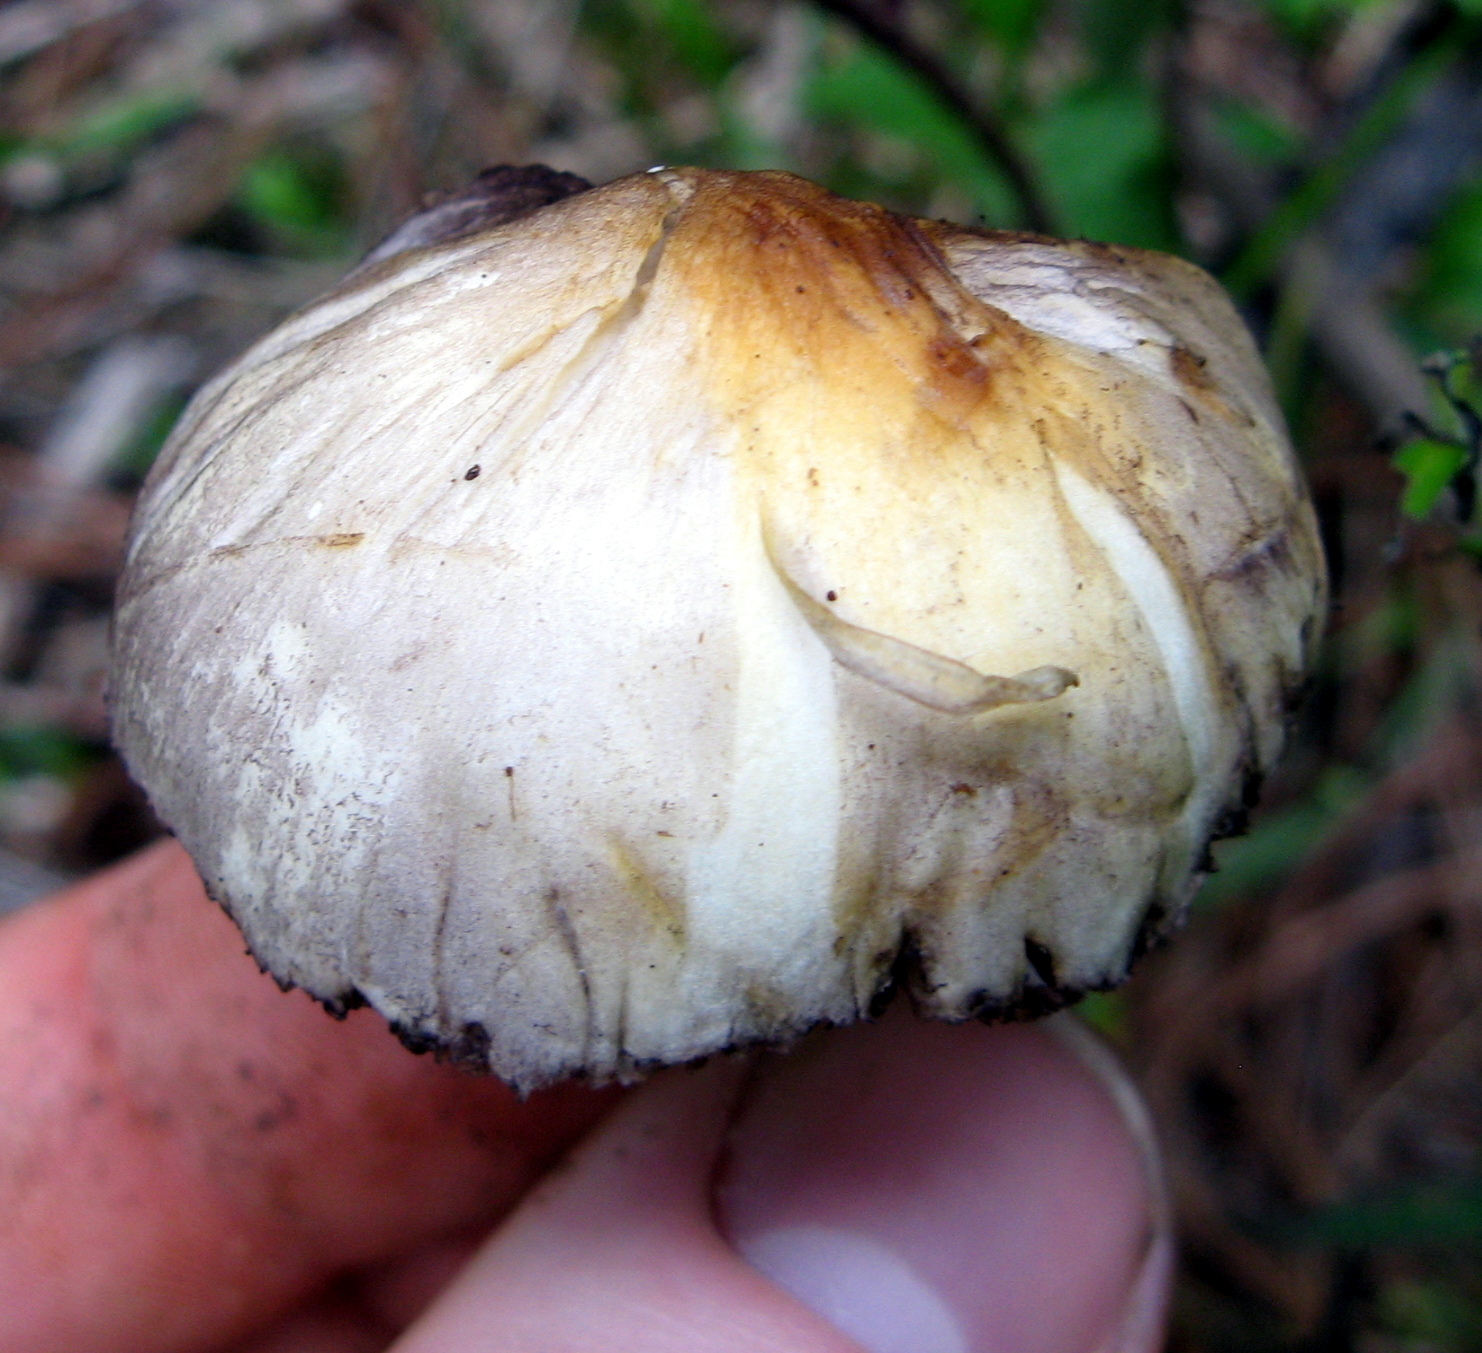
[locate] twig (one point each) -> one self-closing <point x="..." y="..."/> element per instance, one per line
<point x="33" y="25"/>
<point x="861" y="15"/>
<point x="1299" y="949"/>
<point x="1450" y="1055"/>
<point x="1355" y="338"/>
<point x="1302" y="208"/>
<point x="104" y="411"/>
<point x="106" y="408"/>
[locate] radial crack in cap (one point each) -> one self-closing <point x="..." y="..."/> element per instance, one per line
<point x="620" y="624"/>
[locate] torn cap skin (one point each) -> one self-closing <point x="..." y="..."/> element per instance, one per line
<point x="662" y="617"/>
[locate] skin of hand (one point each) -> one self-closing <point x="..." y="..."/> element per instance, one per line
<point x="192" y="1160"/>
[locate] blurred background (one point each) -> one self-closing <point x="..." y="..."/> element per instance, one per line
<point x="178" y="175"/>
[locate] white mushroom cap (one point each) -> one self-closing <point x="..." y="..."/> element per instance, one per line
<point x="664" y="621"/>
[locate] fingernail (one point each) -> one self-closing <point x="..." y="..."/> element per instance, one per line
<point x="939" y="1189"/>
<point x="861" y="1285"/>
<point x="1141" y="1327"/>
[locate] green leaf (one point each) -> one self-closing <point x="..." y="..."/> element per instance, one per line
<point x="645" y="40"/>
<point x="1430" y="1314"/>
<point x="115" y="129"/>
<point x="1011" y="25"/>
<point x="42" y="750"/>
<point x="690" y="29"/>
<point x="1451" y="286"/>
<point x="1307" y="18"/>
<point x="1116" y="32"/>
<point x="1295" y="213"/>
<point x="299" y="194"/>
<point x="120" y="127"/>
<point x="1282" y="840"/>
<point x="1428" y="466"/>
<point x="136" y="458"/>
<point x="1445" y="1213"/>
<point x="1101" y="154"/>
<point x="868" y="88"/>
<point x="277" y="191"/>
<point x="1393" y="626"/>
<point x="1106" y="1012"/>
<point x="1258" y="134"/>
<point x="1432" y="691"/>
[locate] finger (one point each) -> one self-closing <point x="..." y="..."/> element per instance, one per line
<point x="331" y="1324"/>
<point x="901" y="1187"/>
<point x="934" y="1189"/>
<point x="397" y="1292"/>
<point x="364" y="1312"/>
<point x="185" y="1150"/>
<point x="1143" y="1324"/>
<point x="618" y="1251"/>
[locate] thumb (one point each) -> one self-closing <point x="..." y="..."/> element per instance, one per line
<point x="936" y="1189"/>
<point x="896" y="1188"/>
<point x="618" y="1251"/>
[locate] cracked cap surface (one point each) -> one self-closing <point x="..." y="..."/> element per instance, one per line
<point x="840" y="598"/>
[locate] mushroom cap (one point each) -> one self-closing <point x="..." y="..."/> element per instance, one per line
<point x="677" y="617"/>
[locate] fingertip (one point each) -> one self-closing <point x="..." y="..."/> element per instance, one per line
<point x="943" y="1189"/>
<point x="900" y="1188"/>
<point x="617" y="1251"/>
<point x="1143" y="1324"/>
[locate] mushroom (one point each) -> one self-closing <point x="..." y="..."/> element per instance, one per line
<point x="621" y="624"/>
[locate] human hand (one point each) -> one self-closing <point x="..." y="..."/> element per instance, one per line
<point x="191" y="1160"/>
